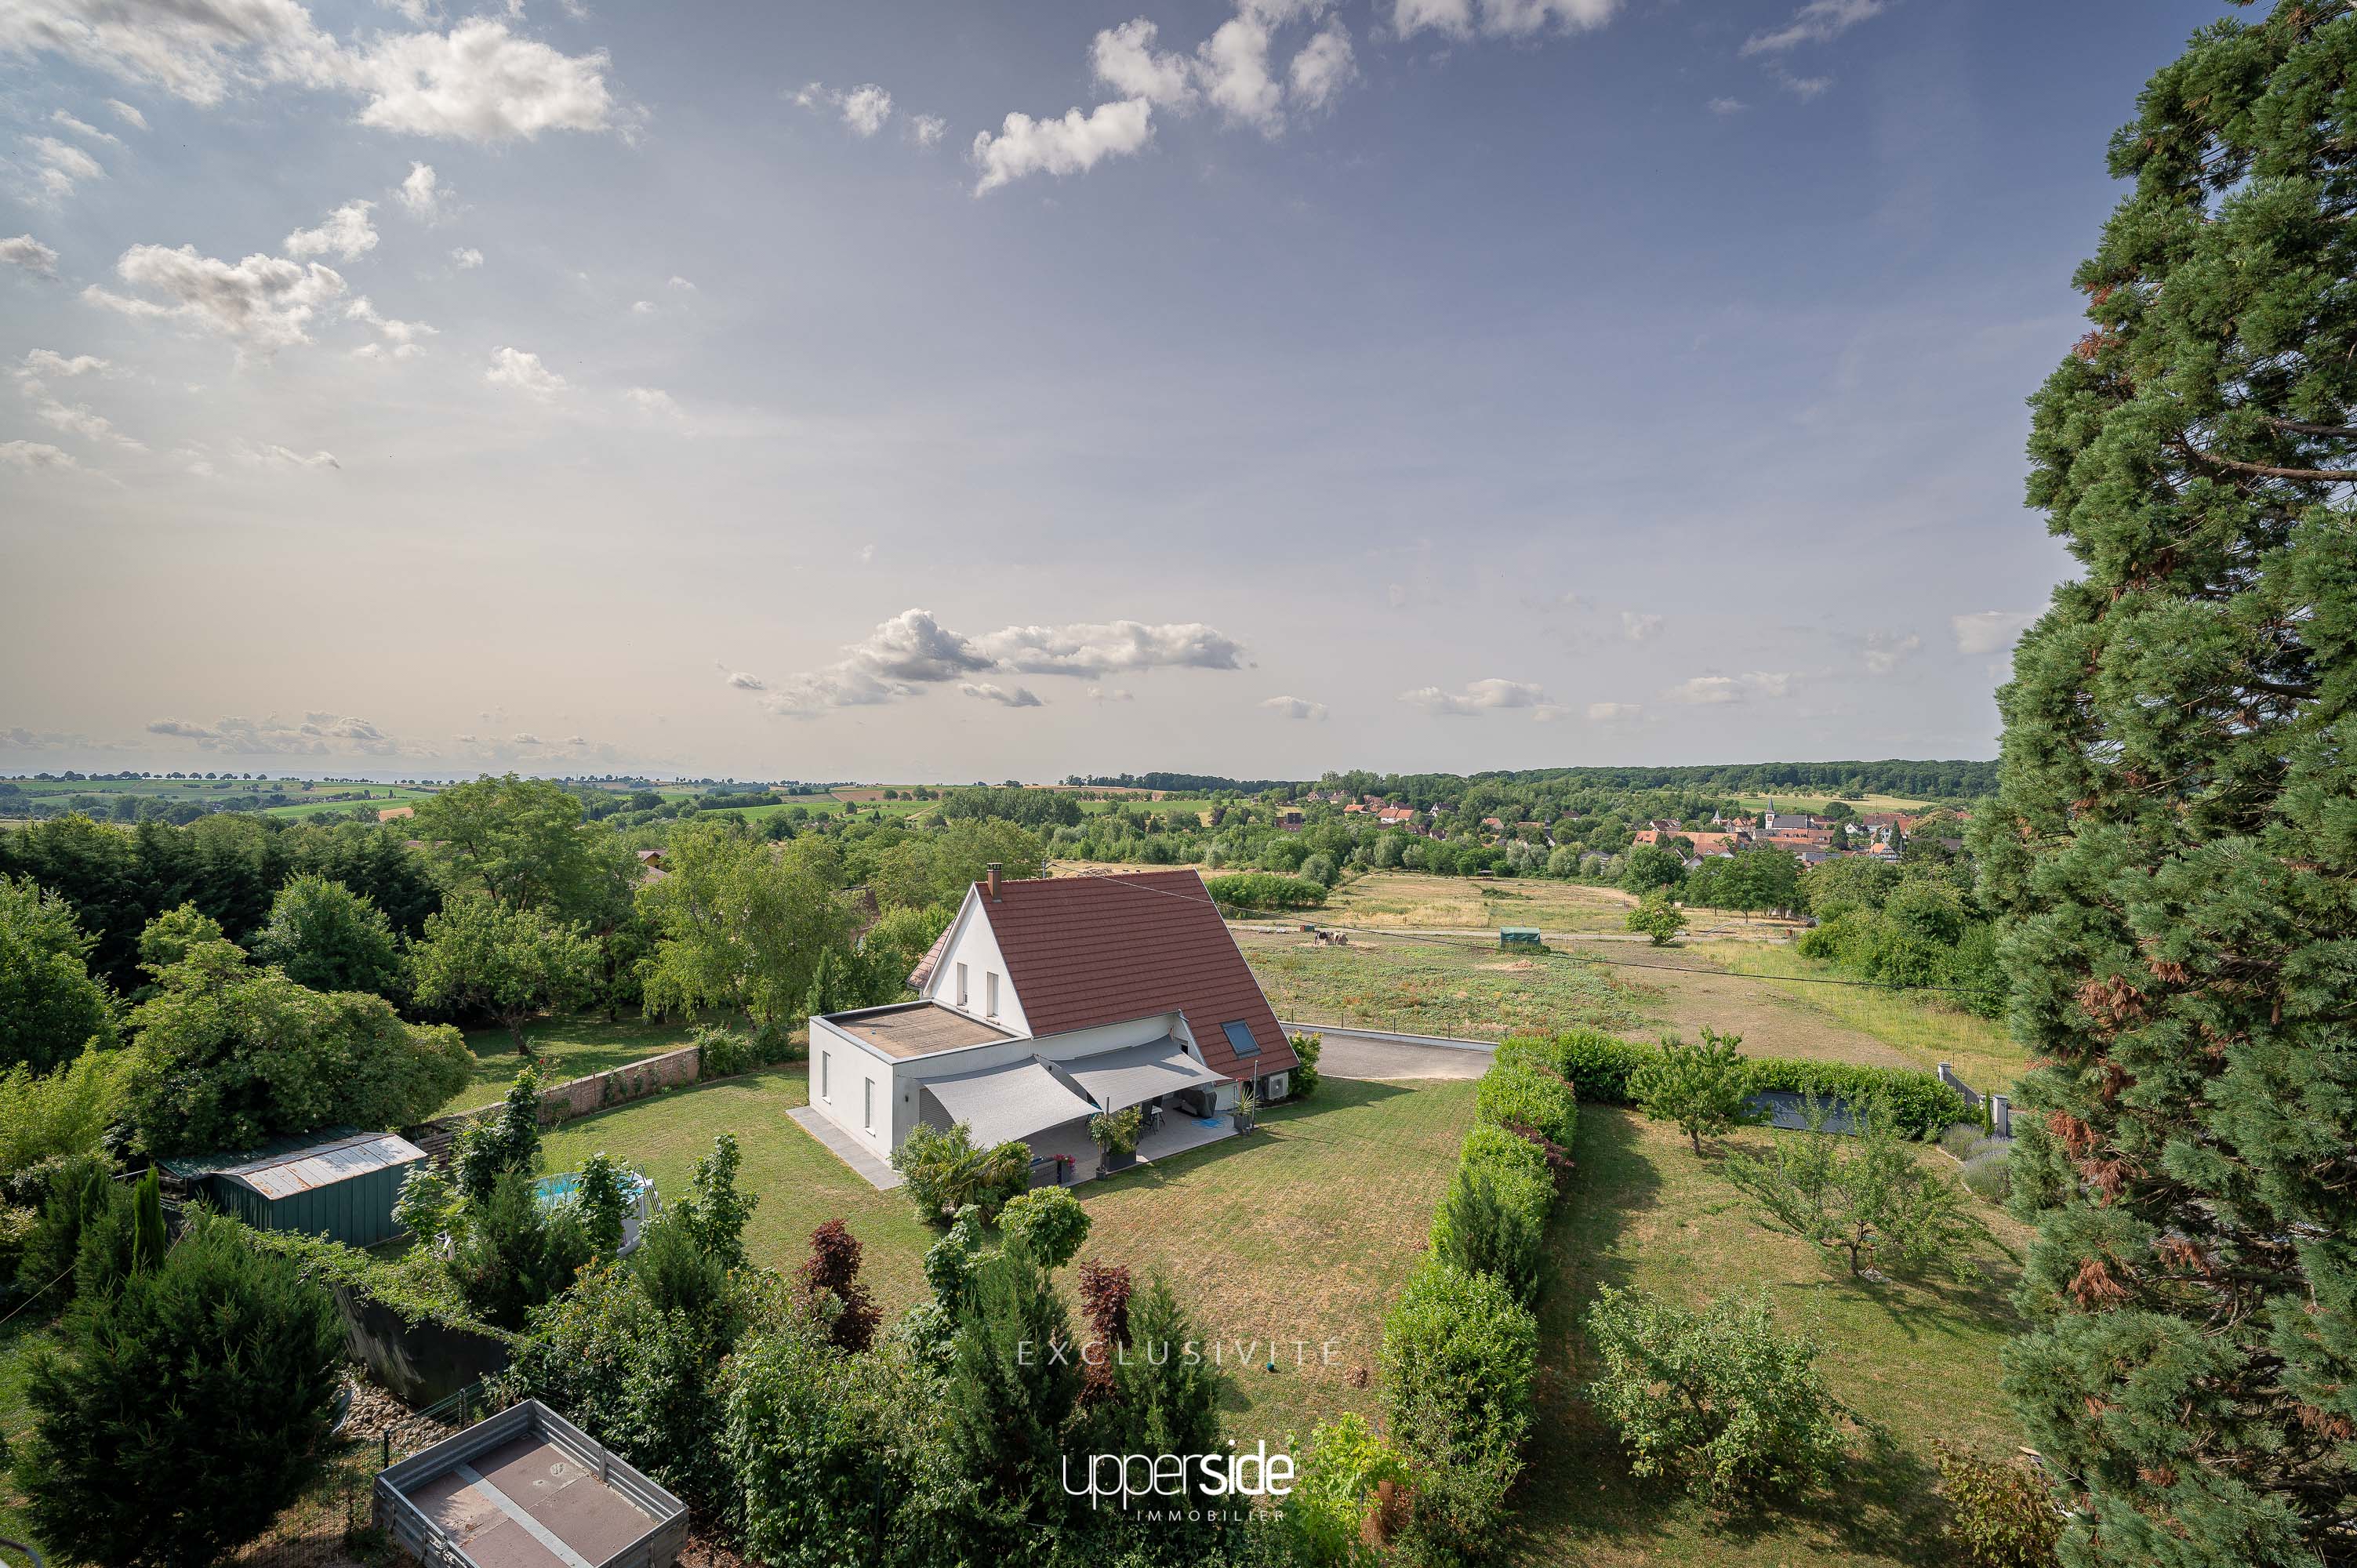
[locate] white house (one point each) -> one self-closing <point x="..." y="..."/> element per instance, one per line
<point x="1048" y="1002"/>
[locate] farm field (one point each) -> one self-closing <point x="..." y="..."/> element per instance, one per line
<point x="1450" y="986"/>
<point x="1924" y="1030"/>
<point x="1816" y="803"/>
<point x="1413" y="899"/>
<point x="570" y="1047"/>
<point x="1270" y="1237"/>
<point x="1641" y="1212"/>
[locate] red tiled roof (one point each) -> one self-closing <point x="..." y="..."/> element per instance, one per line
<point x="1085" y="951"/>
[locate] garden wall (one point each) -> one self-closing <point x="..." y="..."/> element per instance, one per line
<point x="563" y="1101"/>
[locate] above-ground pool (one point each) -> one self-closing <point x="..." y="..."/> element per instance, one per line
<point x="639" y="1191"/>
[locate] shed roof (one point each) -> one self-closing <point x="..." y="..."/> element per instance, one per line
<point x="1086" y="950"/>
<point x="300" y="1165"/>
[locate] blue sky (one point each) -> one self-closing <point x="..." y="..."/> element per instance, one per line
<point x="1434" y="384"/>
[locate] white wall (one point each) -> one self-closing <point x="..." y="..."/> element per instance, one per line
<point x="840" y="1068"/>
<point x="974" y="945"/>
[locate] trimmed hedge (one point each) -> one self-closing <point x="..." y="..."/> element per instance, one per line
<point x="1521" y="1093"/>
<point x="1598" y="1066"/>
<point x="1494" y="1216"/>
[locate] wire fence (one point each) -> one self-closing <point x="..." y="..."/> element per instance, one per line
<point x="333" y="1524"/>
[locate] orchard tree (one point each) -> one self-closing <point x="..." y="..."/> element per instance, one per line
<point x="2171" y="851"/>
<point x="481" y="956"/>
<point x="1697" y="1089"/>
<point x="1657" y="918"/>
<point x="741" y="922"/>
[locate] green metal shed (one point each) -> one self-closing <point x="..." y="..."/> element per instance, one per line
<point x="1519" y="937"/>
<point x="338" y="1183"/>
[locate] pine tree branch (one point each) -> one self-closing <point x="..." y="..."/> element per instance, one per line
<point x="2298" y="428"/>
<point x="2268" y="471"/>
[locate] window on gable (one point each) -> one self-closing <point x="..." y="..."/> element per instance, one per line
<point x="990" y="994"/>
<point x="1239" y="1038"/>
<point x="960" y="986"/>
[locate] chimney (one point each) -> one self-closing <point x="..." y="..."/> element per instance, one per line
<point x="992" y="882"/>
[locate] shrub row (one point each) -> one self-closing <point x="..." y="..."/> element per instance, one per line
<point x="1266" y="890"/>
<point x="1460" y="1345"/>
<point x="1598" y="1066"/>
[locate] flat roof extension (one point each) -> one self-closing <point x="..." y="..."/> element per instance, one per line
<point x="909" y="1029"/>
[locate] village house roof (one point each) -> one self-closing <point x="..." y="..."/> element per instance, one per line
<point x="1086" y="950"/>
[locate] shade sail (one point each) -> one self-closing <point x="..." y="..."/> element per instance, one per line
<point x="1136" y="1074"/>
<point x="1003" y="1103"/>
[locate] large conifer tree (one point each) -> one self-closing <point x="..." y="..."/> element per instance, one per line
<point x="2176" y="835"/>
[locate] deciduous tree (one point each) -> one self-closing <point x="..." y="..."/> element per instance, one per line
<point x="481" y="956"/>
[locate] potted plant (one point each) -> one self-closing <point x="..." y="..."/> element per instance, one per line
<point x="1246" y="1108"/>
<point x="1116" y="1139"/>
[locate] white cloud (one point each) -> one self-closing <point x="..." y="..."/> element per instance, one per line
<point x="265" y="301"/>
<point x="422" y="196"/>
<point x="1707" y="691"/>
<point x="1500" y="19"/>
<point x="32" y="455"/>
<point x="127" y="114"/>
<point x="1613" y="713"/>
<point x="744" y="681"/>
<point x="913" y="649"/>
<point x="60" y="165"/>
<point x="1990" y="631"/>
<point x="656" y="402"/>
<point x="75" y="419"/>
<point x="1807" y="89"/>
<point x="926" y="130"/>
<point x="524" y="372"/>
<point x="401" y="337"/>
<point x="1232" y="66"/>
<point x="1480" y="696"/>
<point x="83" y="129"/>
<point x="1396" y="595"/>
<point x="1324" y="67"/>
<point x="29" y="254"/>
<point x="1125" y="60"/>
<point x="1295" y="707"/>
<point x="1639" y="627"/>
<point x="681" y="283"/>
<point x="866" y="108"/>
<point x="478" y="81"/>
<point x="988" y="692"/>
<point x="50" y="362"/>
<point x="1109" y="695"/>
<point x="1818" y="22"/>
<point x="314" y="734"/>
<point x="1886" y="650"/>
<point x="1723" y="107"/>
<point x="346" y="231"/>
<point x="466" y="257"/>
<point x="1074" y="145"/>
<point x="1101" y="648"/>
<point x="269" y="454"/>
<point x="642" y="307"/>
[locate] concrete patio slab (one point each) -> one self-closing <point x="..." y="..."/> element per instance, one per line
<point x="879" y="1174"/>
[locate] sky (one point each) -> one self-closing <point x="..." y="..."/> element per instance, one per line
<point x="931" y="392"/>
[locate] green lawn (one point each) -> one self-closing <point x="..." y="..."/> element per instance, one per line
<point x="1453" y="987"/>
<point x="1301" y="1231"/>
<point x="1922" y="1359"/>
<point x="571" y="1047"/>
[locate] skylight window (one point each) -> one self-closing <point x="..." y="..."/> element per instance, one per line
<point x="1239" y="1038"/>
